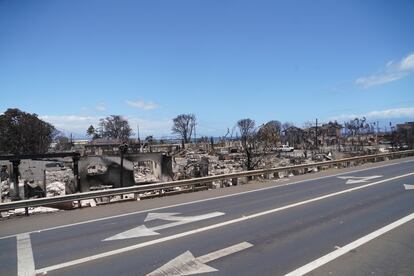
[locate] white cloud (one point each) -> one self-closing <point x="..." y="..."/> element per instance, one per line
<point x="101" y="107"/>
<point x="402" y="112"/>
<point x="393" y="71"/>
<point x="407" y="64"/>
<point x="142" y="105"/>
<point x="379" y="79"/>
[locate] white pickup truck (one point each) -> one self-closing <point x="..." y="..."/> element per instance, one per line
<point x="284" y="148"/>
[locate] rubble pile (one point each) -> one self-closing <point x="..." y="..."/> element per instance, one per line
<point x="191" y="162"/>
<point x="217" y="166"/>
<point x="55" y="179"/>
<point x="196" y="164"/>
<point x="4" y="190"/>
<point x="55" y="189"/>
<point x="143" y="174"/>
<point x="32" y="211"/>
<point x="95" y="169"/>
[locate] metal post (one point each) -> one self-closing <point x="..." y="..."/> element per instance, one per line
<point x="123" y="149"/>
<point x="76" y="173"/>
<point x="122" y="169"/>
<point x="316" y="135"/>
<point x="195" y="135"/>
<point x="16" y="164"/>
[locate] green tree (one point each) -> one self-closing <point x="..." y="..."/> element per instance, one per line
<point x="91" y="131"/>
<point x="24" y="133"/>
<point x="115" y="127"/>
<point x="269" y="133"/>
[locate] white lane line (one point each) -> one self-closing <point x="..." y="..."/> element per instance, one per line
<point x="345" y="249"/>
<point x="25" y="262"/>
<point x="203" y="200"/>
<point x="206" y="228"/>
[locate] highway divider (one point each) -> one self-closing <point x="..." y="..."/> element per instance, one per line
<point x="196" y="183"/>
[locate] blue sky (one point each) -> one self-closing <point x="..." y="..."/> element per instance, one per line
<point x="73" y="62"/>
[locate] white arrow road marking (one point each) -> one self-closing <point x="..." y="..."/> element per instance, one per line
<point x="187" y="264"/>
<point x="25" y="262"/>
<point x="409" y="187"/>
<point x="143" y="231"/>
<point x="358" y="179"/>
<point x="162" y="216"/>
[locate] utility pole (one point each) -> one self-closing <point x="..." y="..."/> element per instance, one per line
<point x="316" y="134"/>
<point x="138" y="133"/>
<point x="195" y="135"/>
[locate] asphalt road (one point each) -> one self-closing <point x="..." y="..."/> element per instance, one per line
<point x="307" y="225"/>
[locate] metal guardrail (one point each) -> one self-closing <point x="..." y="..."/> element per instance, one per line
<point x="188" y="182"/>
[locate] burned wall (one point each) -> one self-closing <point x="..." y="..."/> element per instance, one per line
<point x="106" y="170"/>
